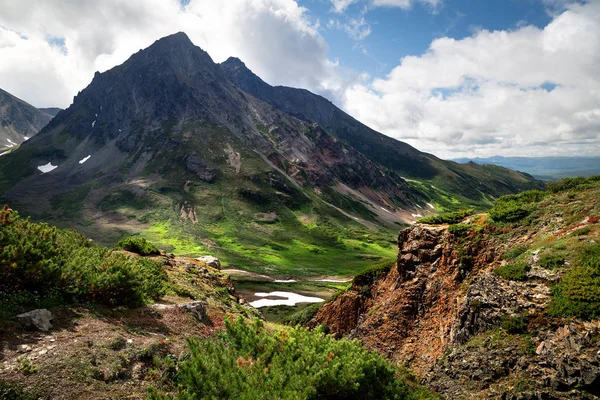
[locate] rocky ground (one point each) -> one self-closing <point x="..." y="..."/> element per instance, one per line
<point x="97" y="353"/>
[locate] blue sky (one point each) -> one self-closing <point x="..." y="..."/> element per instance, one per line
<point x="456" y="78"/>
<point x="398" y="32"/>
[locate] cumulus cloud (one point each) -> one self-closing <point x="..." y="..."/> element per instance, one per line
<point x="528" y="91"/>
<point x="51" y="49"/>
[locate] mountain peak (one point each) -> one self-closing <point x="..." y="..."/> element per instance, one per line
<point x="234" y="61"/>
<point x="180" y="38"/>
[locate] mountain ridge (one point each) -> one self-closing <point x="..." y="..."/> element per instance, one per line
<point x="18" y="120"/>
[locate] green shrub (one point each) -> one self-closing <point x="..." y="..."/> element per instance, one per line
<point x="578" y="294"/>
<point x="551" y="261"/>
<point x="582" y="231"/>
<point x="590" y="257"/>
<point x="513" y="253"/>
<point x="514" y="207"/>
<point x="446" y="218"/>
<point x="531" y="196"/>
<point x="458" y="229"/>
<point x="39" y="262"/>
<point x="303" y="316"/>
<point x="369" y="275"/>
<point x="248" y="362"/>
<point x="514" y="272"/>
<point x="138" y="245"/>
<point x="517" y="324"/>
<point x="508" y="212"/>
<point x="571" y="183"/>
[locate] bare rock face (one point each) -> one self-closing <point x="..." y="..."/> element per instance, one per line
<point x="36" y="319"/>
<point x="200" y="168"/>
<point x="210" y="261"/>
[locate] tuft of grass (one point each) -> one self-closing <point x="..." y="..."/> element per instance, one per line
<point x="515" y="271"/>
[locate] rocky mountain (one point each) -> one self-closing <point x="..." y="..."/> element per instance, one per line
<point x="166" y="145"/>
<point x="489" y="308"/>
<point x="471" y="183"/>
<point x="18" y="120"/>
<point x="51" y="110"/>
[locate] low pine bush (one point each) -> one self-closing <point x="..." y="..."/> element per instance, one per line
<point x="248" y="362"/>
<point x="458" y="229"/>
<point x="514" y="272"/>
<point x="571" y="183"/>
<point x="138" y="245"/>
<point x="513" y="253"/>
<point x="508" y="212"/>
<point x="578" y="294"/>
<point x="515" y="207"/>
<point x="40" y="262"/>
<point x="447" y="218"/>
<point x="517" y="324"/>
<point x="551" y="261"/>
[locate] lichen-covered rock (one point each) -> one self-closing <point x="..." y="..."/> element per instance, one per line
<point x="196" y="308"/>
<point x="36" y="319"/>
<point x="210" y="261"/>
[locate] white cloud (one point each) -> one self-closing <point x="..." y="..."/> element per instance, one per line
<point x="487" y="94"/>
<point x="274" y="37"/>
<point x="340" y="5"/>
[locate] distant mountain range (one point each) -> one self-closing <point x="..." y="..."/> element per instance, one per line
<point x="545" y="168"/>
<point x="19" y="120"/>
<point x="193" y="154"/>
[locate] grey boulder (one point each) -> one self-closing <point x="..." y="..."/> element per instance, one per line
<point x="36" y="319"/>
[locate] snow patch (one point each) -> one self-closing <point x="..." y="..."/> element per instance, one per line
<point x="26" y="137"/>
<point x="84" y="159"/>
<point x="11" y="142"/>
<point x="387" y="211"/>
<point x="286" y="299"/>
<point x="416" y="215"/>
<point x="93" y="123"/>
<point x="419" y="207"/>
<point x="47" y="168"/>
<point x="431" y="205"/>
<point x="285" y="280"/>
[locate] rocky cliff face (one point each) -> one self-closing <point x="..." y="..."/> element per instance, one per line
<point x="445" y="311"/>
